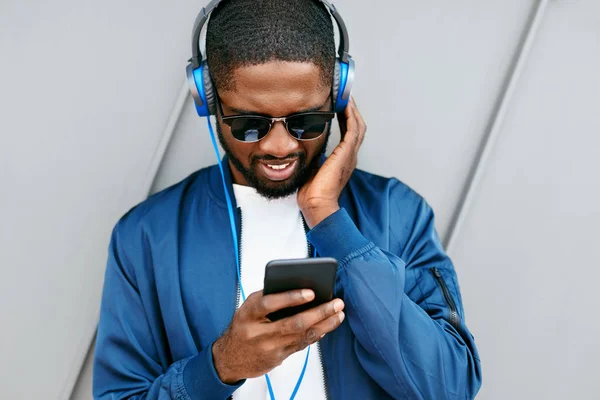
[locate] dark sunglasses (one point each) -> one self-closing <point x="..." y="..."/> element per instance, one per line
<point x="303" y="126"/>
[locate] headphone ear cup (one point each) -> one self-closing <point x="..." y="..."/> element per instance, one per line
<point x="209" y="92"/>
<point x="342" y="86"/>
<point x="336" y="82"/>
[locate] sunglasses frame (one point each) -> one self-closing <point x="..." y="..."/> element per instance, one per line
<point x="229" y="119"/>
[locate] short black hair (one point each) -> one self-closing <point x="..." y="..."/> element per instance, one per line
<point x="253" y="32"/>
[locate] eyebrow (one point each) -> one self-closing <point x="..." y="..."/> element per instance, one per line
<point x="241" y="111"/>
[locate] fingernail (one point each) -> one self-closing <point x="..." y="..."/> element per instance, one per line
<point x="342" y="316"/>
<point x="322" y="336"/>
<point x="338" y="305"/>
<point x="307" y="294"/>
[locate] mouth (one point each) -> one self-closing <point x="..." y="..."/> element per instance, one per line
<point x="279" y="170"/>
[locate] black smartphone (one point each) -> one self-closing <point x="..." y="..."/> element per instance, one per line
<point x="317" y="274"/>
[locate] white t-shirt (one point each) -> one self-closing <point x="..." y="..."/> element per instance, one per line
<point x="271" y="230"/>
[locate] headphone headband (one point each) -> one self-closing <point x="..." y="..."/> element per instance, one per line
<point x="202" y="17"/>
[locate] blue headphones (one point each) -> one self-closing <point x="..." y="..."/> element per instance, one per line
<point x="201" y="85"/>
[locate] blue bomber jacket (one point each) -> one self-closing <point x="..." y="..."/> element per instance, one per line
<point x="170" y="291"/>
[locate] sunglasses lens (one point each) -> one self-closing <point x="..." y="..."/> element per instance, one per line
<point x="306" y="127"/>
<point x="249" y="129"/>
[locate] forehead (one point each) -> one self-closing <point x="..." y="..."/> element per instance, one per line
<point x="276" y="88"/>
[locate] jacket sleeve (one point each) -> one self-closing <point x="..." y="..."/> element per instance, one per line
<point x="404" y="309"/>
<point x="127" y="359"/>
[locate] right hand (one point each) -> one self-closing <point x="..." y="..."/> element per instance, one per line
<point x="252" y="345"/>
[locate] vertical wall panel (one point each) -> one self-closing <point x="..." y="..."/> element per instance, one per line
<point x="86" y="88"/>
<point x="529" y="268"/>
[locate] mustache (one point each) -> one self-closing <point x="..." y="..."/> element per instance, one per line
<point x="268" y="157"/>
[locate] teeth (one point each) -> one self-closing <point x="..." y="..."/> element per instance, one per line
<point x="277" y="167"/>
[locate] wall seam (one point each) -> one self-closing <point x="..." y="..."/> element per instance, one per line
<point x="155" y="163"/>
<point x="494" y="125"/>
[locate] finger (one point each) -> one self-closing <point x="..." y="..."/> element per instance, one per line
<point x="302" y="321"/>
<point x="344" y="155"/>
<point x="274" y="302"/>
<point x="324" y="327"/>
<point x="315" y="333"/>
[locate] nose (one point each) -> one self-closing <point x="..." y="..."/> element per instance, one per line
<point x="279" y="143"/>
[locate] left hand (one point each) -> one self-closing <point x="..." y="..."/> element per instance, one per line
<point x="318" y="198"/>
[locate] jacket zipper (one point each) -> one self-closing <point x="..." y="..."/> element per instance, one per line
<point x="454" y="317"/>
<point x="238" y="291"/>
<point x="325" y="383"/>
<point x="311" y="252"/>
<point x="239" y="235"/>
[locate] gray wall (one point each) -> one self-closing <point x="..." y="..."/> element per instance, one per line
<point x="85" y="92"/>
<point x="86" y="131"/>
<point x="527" y="254"/>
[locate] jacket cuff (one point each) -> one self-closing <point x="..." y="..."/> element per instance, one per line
<point x="337" y="236"/>
<point x="201" y="380"/>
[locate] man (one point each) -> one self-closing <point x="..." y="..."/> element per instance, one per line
<point x="171" y="323"/>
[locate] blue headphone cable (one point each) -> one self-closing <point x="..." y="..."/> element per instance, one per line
<point x="237" y="257"/>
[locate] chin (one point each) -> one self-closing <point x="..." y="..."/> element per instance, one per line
<point x="276" y="191"/>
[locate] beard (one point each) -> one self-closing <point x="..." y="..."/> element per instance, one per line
<point x="266" y="187"/>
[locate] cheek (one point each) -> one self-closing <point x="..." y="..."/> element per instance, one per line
<point x="243" y="151"/>
<point x="314" y="148"/>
